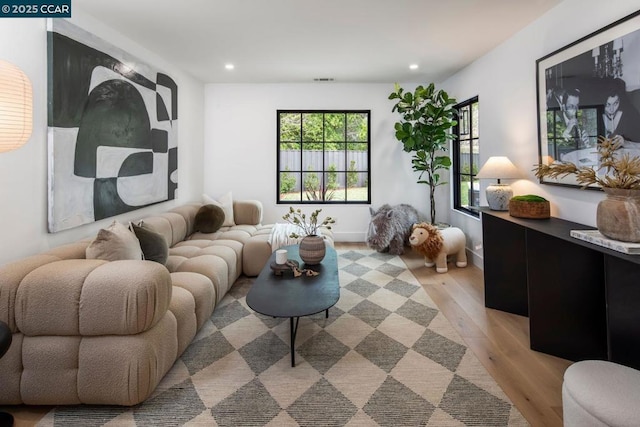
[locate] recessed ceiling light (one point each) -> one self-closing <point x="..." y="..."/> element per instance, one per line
<point x="229" y="66"/>
<point x="413" y="66"/>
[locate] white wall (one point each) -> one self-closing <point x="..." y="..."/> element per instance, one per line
<point x="240" y="124"/>
<point x="505" y="81"/>
<point x="23" y="172"/>
<point x="228" y="132"/>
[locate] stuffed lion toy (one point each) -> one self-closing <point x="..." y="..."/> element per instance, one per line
<point x="435" y="245"/>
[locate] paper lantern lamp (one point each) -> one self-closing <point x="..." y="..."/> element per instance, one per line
<point x="16" y="107"/>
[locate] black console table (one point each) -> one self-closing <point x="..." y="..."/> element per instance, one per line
<point x="583" y="300"/>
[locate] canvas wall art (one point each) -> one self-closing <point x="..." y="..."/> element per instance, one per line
<point x="112" y="129"/>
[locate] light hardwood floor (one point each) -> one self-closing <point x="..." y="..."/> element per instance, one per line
<point x="532" y="380"/>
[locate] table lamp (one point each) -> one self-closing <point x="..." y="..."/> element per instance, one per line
<point x="498" y="195"/>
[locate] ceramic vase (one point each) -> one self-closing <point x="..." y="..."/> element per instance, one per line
<point x="618" y="215"/>
<point x="312" y="249"/>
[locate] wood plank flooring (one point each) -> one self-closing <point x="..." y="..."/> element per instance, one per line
<point x="532" y="380"/>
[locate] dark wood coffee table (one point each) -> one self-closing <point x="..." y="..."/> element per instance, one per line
<point x="293" y="297"/>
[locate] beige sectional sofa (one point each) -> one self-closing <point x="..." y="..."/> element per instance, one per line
<point x="106" y="332"/>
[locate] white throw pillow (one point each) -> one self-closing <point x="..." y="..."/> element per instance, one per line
<point x="226" y="203"/>
<point x="114" y="243"/>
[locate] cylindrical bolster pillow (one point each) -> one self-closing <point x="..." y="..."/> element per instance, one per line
<point x="93" y="297"/>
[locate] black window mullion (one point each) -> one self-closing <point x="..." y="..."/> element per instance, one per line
<point x="320" y="169"/>
<point x="457" y="152"/>
<point x="324" y="167"/>
<point x="301" y="172"/>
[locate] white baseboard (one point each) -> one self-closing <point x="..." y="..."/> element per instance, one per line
<point x="477" y="258"/>
<point x="350" y="236"/>
<point x="360" y="237"/>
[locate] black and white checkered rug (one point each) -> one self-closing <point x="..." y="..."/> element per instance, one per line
<point x="385" y="356"/>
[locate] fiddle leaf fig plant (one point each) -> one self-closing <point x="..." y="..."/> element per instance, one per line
<point x="428" y="115"/>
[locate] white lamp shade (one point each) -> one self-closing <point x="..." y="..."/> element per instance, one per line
<point x="498" y="195"/>
<point x="16" y="107"/>
<point x="498" y="167"/>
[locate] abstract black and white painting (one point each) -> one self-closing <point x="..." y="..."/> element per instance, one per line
<point x="112" y="129"/>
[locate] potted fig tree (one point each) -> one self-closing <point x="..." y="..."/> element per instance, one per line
<point x="428" y="115"/>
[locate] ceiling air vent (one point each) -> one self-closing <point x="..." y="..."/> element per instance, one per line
<point x="323" y="79"/>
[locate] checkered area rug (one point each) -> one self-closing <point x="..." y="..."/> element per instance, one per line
<point x="385" y="356"/>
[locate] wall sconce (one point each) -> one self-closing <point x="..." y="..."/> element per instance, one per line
<point x="498" y="195"/>
<point x="16" y="107"/>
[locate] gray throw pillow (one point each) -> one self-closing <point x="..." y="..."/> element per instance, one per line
<point x="154" y="246"/>
<point x="209" y="219"/>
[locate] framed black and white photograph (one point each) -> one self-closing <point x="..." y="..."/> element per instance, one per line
<point x="586" y="90"/>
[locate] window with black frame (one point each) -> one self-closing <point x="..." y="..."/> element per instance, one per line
<point x="466" y="149"/>
<point x="324" y="156"/>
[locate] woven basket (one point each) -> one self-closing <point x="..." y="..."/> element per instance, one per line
<point x="535" y="210"/>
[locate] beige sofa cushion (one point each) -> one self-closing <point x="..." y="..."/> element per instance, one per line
<point x="247" y="212"/>
<point x="183" y="307"/>
<point x="114" y="370"/>
<point x="11" y="372"/>
<point x="188" y="213"/>
<point x="202" y="290"/>
<point x="11" y="276"/>
<point x="171" y="225"/>
<point x="50" y="363"/>
<point x="124" y="370"/>
<point x="92" y="297"/>
<point x="75" y="250"/>
<point x="257" y="250"/>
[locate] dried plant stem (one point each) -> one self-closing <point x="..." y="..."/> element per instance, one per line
<point x="308" y="225"/>
<point x="621" y="170"/>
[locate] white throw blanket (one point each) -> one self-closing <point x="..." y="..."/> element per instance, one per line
<point x="280" y="235"/>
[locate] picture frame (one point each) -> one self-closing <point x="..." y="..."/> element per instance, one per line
<point x="586" y="90"/>
<point x="112" y="129"/>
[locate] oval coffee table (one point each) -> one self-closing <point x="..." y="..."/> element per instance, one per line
<point x="293" y="297"/>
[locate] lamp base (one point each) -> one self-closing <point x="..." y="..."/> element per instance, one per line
<point x="498" y="196"/>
